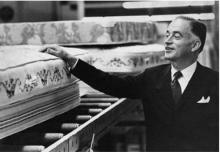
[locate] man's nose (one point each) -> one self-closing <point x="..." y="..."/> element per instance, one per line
<point x="168" y="40"/>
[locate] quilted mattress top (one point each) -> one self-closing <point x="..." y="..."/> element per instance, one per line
<point x="25" y="72"/>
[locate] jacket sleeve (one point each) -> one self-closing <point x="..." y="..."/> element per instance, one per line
<point x="127" y="86"/>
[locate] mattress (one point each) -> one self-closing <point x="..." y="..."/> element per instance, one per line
<point x="126" y="59"/>
<point x="34" y="87"/>
<point x="96" y="32"/>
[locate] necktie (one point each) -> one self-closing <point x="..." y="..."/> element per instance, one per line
<point x="175" y="86"/>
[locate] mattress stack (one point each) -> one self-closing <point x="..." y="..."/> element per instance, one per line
<point x="97" y="32"/>
<point x="126" y="59"/>
<point x="34" y="87"/>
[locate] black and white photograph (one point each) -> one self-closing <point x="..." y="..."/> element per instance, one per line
<point x="109" y="76"/>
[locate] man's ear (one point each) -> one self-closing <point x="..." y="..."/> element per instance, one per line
<point x="195" y="45"/>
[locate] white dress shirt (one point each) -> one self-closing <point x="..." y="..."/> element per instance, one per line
<point x="187" y="75"/>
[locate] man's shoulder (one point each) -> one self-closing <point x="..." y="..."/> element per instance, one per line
<point x="209" y="72"/>
<point x="157" y="72"/>
<point x="209" y="75"/>
<point x="159" y="68"/>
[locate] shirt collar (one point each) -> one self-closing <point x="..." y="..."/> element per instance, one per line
<point x="187" y="72"/>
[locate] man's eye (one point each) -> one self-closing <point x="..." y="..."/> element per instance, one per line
<point x="177" y="36"/>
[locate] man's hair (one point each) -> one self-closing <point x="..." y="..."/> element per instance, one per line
<point x="197" y="28"/>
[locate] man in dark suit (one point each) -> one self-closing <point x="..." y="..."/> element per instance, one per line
<point x="180" y="99"/>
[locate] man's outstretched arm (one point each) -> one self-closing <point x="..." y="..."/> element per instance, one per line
<point x="128" y="86"/>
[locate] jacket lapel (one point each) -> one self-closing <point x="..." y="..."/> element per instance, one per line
<point x="192" y="90"/>
<point x="163" y="88"/>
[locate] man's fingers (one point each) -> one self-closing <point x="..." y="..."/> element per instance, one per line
<point x="54" y="47"/>
<point x="43" y="50"/>
<point x="51" y="51"/>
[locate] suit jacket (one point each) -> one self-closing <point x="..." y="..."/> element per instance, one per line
<point x="186" y="126"/>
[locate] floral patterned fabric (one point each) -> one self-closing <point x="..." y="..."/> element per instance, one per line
<point x="34" y="87"/>
<point x="77" y="32"/>
<point x="132" y="59"/>
<point x="24" y="72"/>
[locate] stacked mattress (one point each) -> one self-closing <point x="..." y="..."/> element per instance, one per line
<point x="126" y="59"/>
<point x="34" y="87"/>
<point x="98" y="32"/>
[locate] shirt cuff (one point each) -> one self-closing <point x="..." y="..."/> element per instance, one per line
<point x="71" y="64"/>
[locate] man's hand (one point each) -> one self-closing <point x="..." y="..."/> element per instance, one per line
<point x="61" y="53"/>
<point x="57" y="51"/>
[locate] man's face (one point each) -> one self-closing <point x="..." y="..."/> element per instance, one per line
<point x="179" y="40"/>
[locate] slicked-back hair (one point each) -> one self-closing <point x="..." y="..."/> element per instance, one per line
<point x="197" y="28"/>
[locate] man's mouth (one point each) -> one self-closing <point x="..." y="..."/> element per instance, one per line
<point x="168" y="49"/>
